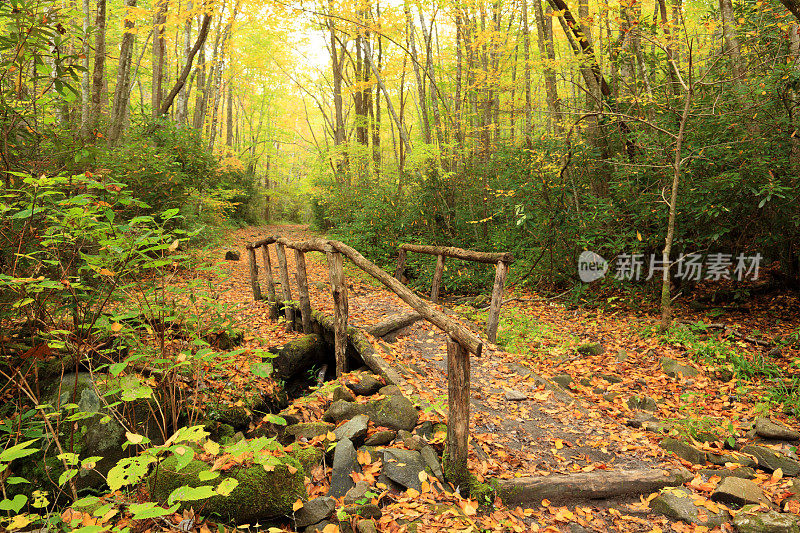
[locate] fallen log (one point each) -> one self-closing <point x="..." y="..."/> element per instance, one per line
<point x="393" y="323"/>
<point x="596" y="485"/>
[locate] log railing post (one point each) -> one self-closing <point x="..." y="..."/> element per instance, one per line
<point x="437" y="279"/>
<point x="339" y="290"/>
<point x="455" y="466"/>
<point x="302" y="289"/>
<point x="251" y="255"/>
<point x="286" y="289"/>
<point x="401" y="265"/>
<point x="497" y="300"/>
<point x="271" y="296"/>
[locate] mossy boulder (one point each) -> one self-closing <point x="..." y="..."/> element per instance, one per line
<point x="260" y="494"/>
<point x="751" y="519"/>
<point x="393" y="412"/>
<point x="236" y="409"/>
<point x="298" y="356"/>
<point x="96" y="435"/>
<point x="308" y="456"/>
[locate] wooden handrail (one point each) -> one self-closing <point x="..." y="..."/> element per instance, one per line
<point x="501" y="260"/>
<point x="460" y="253"/>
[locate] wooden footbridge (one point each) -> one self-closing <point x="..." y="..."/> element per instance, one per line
<point x="461" y="341"/>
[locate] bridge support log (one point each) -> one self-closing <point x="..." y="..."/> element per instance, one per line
<point x="302" y="289"/>
<point x="437" y="279"/>
<point x="455" y="466"/>
<point x="340" y="307"/>
<point x="272" y="298"/>
<point x="497" y="300"/>
<point x="286" y="289"/>
<point x="251" y="256"/>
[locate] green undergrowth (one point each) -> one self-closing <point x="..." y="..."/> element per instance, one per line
<point x="728" y="356"/>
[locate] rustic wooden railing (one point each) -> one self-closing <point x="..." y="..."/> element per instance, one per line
<point x="501" y="260"/>
<point x="461" y="342"/>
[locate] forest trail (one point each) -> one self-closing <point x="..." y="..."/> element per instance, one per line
<point x="550" y="431"/>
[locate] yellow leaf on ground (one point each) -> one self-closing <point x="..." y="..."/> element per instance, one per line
<point x="297" y="505"/>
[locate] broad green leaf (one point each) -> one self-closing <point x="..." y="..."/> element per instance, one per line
<point x="146" y="510"/>
<point x="207" y="475"/>
<point x="66" y="476"/>
<point x="18" y="451"/>
<point x="186" y="494"/>
<point x="128" y="471"/>
<point x="226" y="487"/>
<point x="15" y="504"/>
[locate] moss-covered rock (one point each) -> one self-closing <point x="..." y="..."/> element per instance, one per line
<point x="260" y="495"/>
<point x="237" y="409"/>
<point x="308" y="456"/>
<point x="394" y="412"/>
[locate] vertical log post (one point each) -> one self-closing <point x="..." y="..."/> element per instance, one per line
<point x="437" y="279"/>
<point x="251" y="255"/>
<point x="302" y="288"/>
<point x="286" y="289"/>
<point x="497" y="300"/>
<point x="455" y="466"/>
<point x="271" y="296"/>
<point x="339" y="290"/>
<point x="401" y="265"/>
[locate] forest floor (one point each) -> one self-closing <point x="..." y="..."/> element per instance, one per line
<point x="553" y="431"/>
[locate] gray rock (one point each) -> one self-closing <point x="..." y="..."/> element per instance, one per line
<point x="684" y="451"/>
<point x="646" y="421"/>
<point x="343" y="393"/>
<point x="515" y="396"/>
<point x="366" y="386"/>
<point x="771" y="460"/>
<point x="622" y="356"/>
<point x="308" y="430"/>
<point x="381" y="438"/>
<point x="432" y="462"/>
<point x="390" y="390"/>
<point x="725" y="458"/>
<point x="738" y="491"/>
<point x="590" y="348"/>
<point x="768" y="429"/>
<point x="751" y="520"/>
<point x="393" y="412"/>
<point x="642" y="403"/>
<point x="403" y="467"/>
<point x="610" y="396"/>
<point x="574" y="527"/>
<point x="357" y="493"/>
<point x="314" y="511"/>
<point x="674" y="369"/>
<point x="367" y="510"/>
<point x="611" y="378"/>
<point x="344" y="462"/>
<point x="366" y="526"/>
<point x="297" y="356"/>
<point x="744" y="472"/>
<point x="678" y="504"/>
<point x="342" y="410"/>
<point x="425" y="430"/>
<point x="232" y="255"/>
<point x="563" y="380"/>
<point x="318" y="527"/>
<point x="409" y="440"/>
<point x="354" y="429"/>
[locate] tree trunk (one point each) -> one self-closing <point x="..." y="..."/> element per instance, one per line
<point x="159" y="50"/>
<point x="526" y="40"/>
<point x="182" y="104"/>
<point x="544" y="28"/>
<point x="731" y="38"/>
<point x="85" y="76"/>
<point x="181" y="81"/>
<point x="122" y="89"/>
<point x="666" y="300"/>
<point x="229" y="118"/>
<point x="339" y="129"/>
<point x="421" y="85"/>
<point x="201" y="97"/>
<point x="99" y="74"/>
